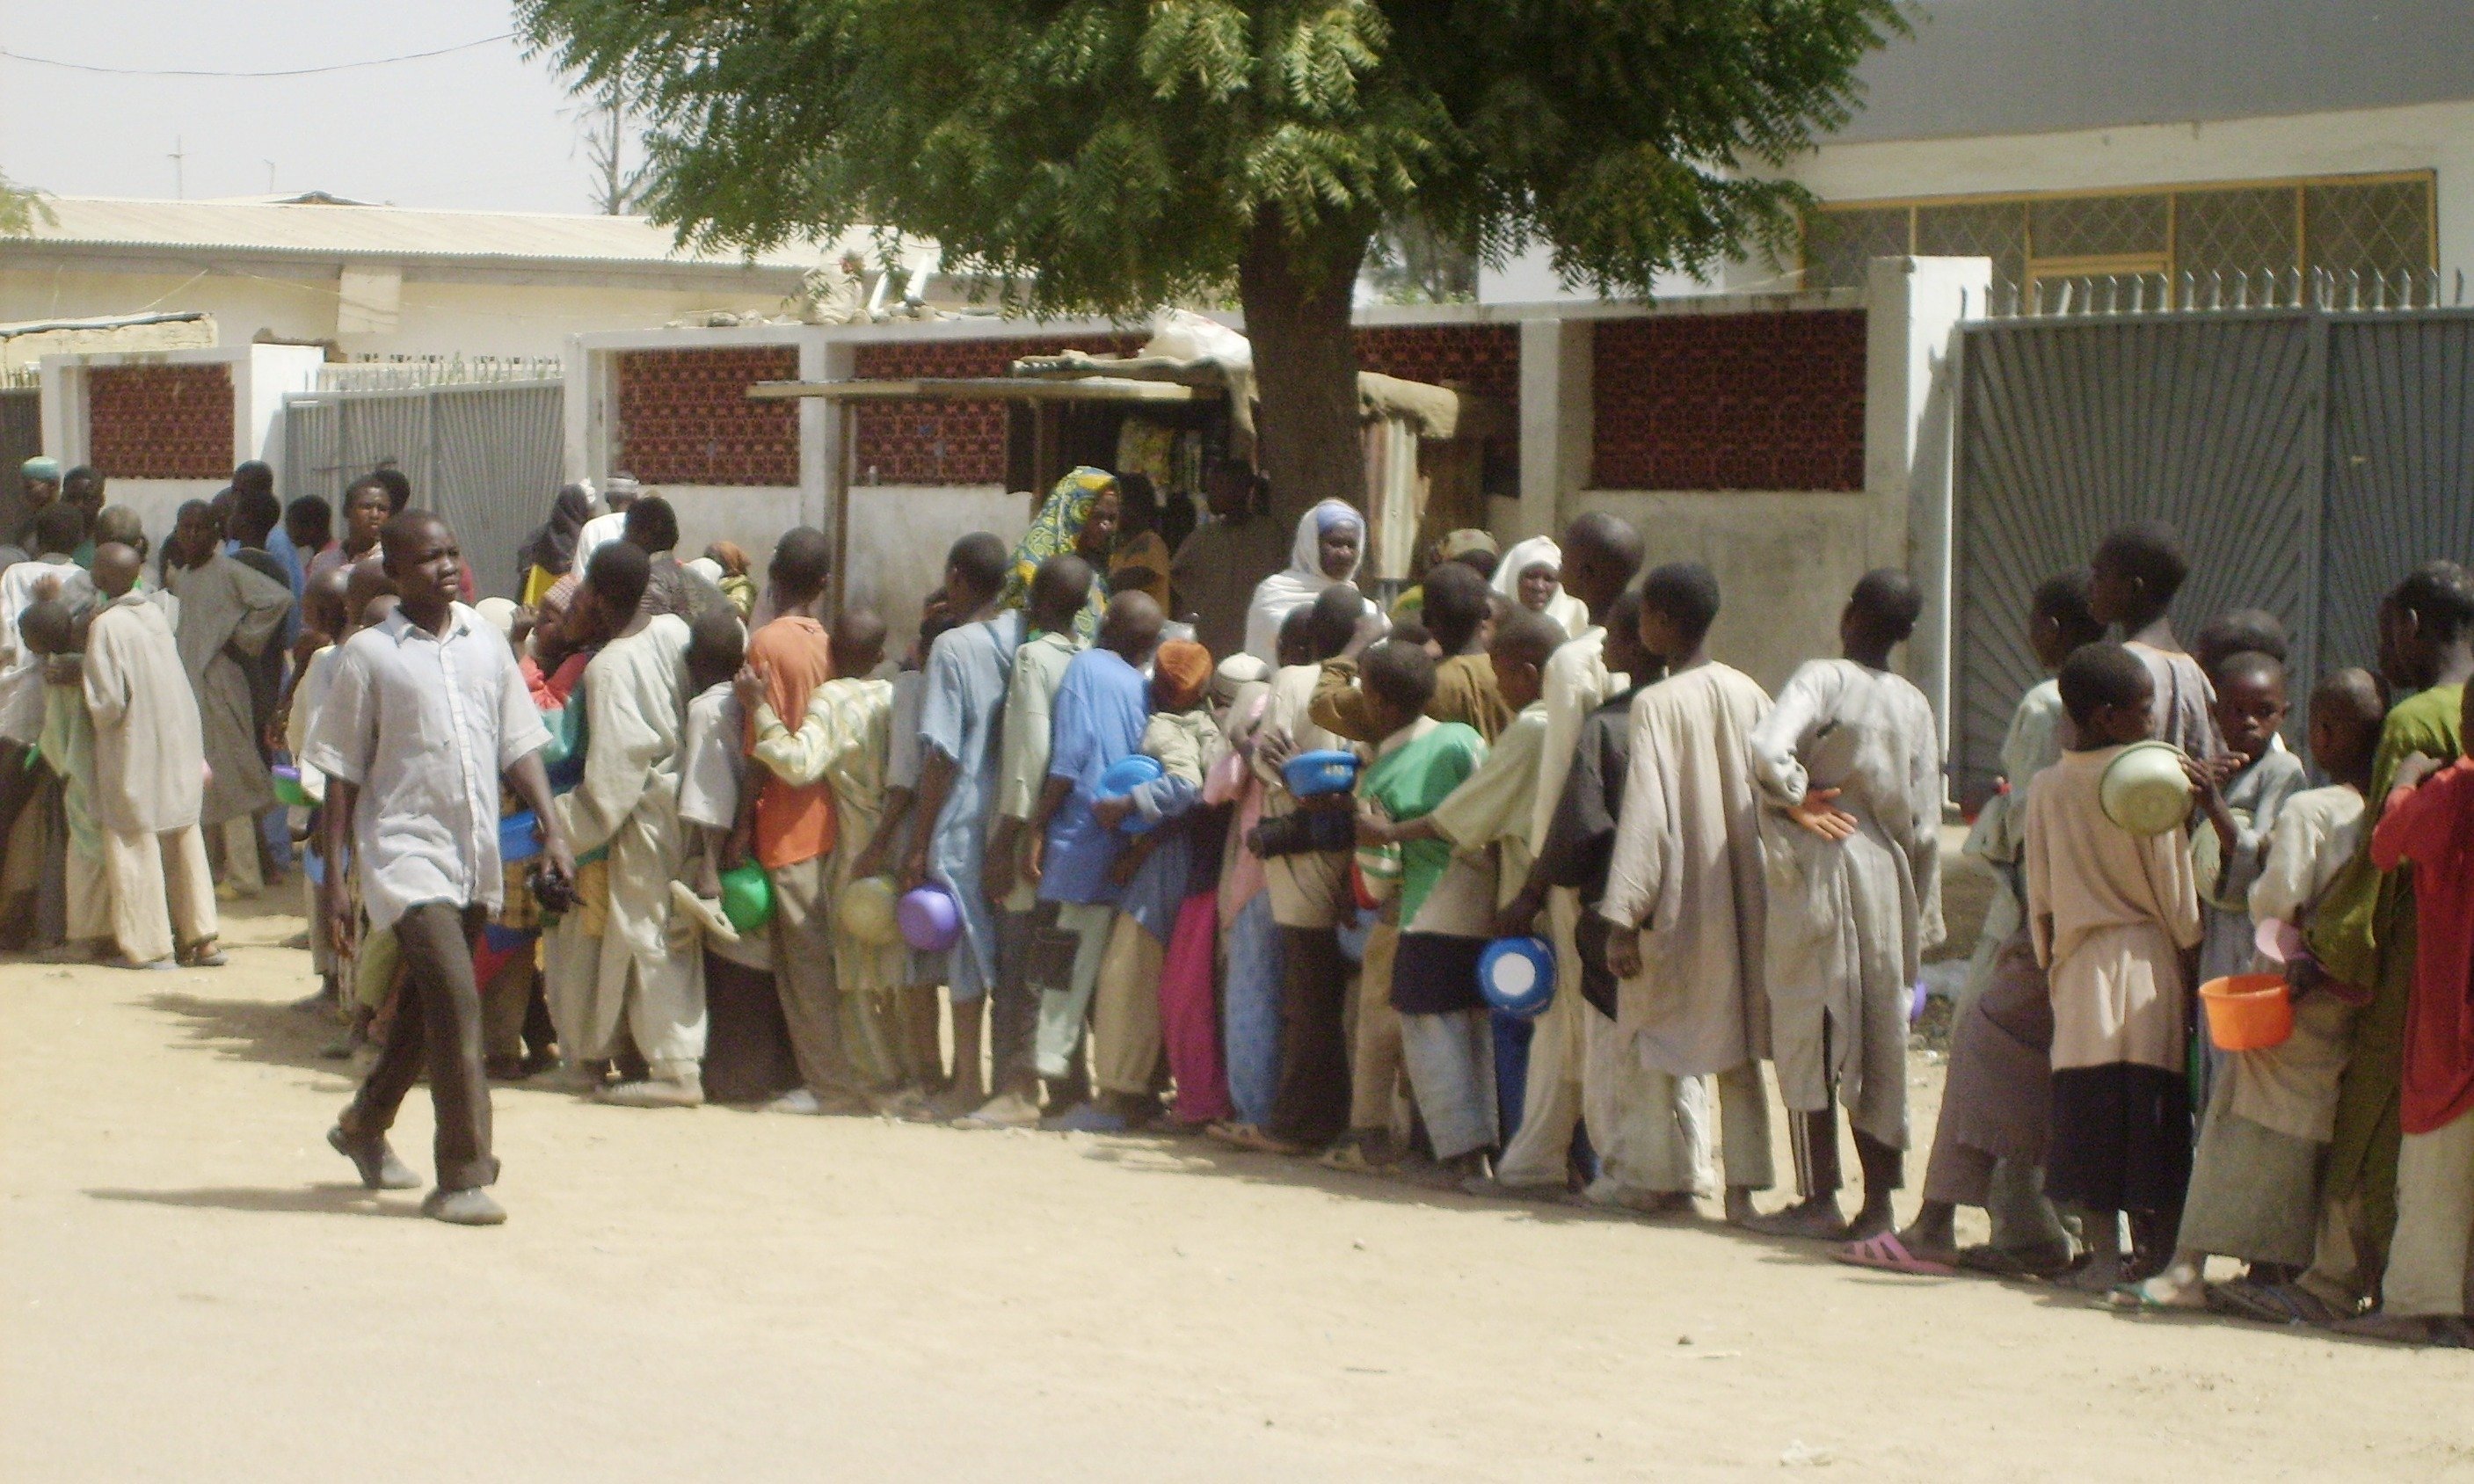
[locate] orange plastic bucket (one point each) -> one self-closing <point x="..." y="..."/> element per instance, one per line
<point x="2247" y="1012"/>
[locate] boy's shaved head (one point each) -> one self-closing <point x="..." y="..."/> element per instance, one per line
<point x="1131" y="626"/>
<point x="1296" y="643"/>
<point x="716" y="647"/>
<point x="2353" y="696"/>
<point x="1334" y="618"/>
<point x="2253" y="629"/>
<point x="858" y="641"/>
<point x="1887" y="602"/>
<point x="1526" y="636"/>
<point x="1061" y="586"/>
<point x="1686" y="594"/>
<point x="368" y="582"/>
<point x="116" y="566"/>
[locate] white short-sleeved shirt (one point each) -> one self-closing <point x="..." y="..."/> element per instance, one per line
<point x="423" y="725"/>
<point x="712" y="766"/>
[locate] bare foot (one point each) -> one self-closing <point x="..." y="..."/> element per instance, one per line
<point x="1871" y="1221"/>
<point x="1927" y="1246"/>
<point x="1816" y="1220"/>
<point x="1739" y="1209"/>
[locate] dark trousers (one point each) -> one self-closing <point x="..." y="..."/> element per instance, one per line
<point x="438" y="1025"/>
<point x="1312" y="1104"/>
<point x="1013" y="1001"/>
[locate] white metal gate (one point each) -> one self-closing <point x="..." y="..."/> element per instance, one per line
<point x="485" y="456"/>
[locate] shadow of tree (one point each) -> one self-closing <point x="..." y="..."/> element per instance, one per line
<point x="256" y="1031"/>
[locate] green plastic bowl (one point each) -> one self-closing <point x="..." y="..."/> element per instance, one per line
<point x="747" y="897"/>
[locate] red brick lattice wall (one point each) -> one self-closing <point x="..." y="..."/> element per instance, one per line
<point x="1729" y="401"/>
<point x="685" y="416"/>
<point x="948" y="442"/>
<point x="1480" y="359"/>
<point x="161" y="421"/>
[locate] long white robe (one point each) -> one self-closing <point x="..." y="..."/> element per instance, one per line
<point x="1849" y="921"/>
<point x="634" y="707"/>
<point x="843" y="739"/>
<point x="1687" y="872"/>
<point x="147" y="747"/>
<point x="227" y="610"/>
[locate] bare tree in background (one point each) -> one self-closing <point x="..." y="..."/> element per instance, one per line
<point x="617" y="190"/>
<point x="20" y="209"/>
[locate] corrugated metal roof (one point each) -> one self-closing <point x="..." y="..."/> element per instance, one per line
<point x="379" y="233"/>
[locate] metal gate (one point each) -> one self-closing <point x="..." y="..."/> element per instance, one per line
<point x="487" y="457"/>
<point x="2310" y="458"/>
<point x="21" y="438"/>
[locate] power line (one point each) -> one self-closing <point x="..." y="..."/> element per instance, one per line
<point x="341" y="66"/>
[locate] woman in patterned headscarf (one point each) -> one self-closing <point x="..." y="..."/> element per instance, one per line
<point x="1080" y="516"/>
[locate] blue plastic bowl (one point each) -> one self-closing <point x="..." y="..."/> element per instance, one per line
<point x="1517" y="975"/>
<point x="1123" y="777"/>
<point x="1310" y="775"/>
<point x="516" y="842"/>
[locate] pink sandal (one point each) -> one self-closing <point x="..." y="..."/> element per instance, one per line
<point x="1886" y="1253"/>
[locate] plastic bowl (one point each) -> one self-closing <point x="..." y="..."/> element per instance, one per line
<point x="866" y="911"/>
<point x="1123" y="777"/>
<point x="1517" y="975"/>
<point x="516" y="838"/>
<point x="747" y="896"/>
<point x="1310" y="775"/>
<point x="2248" y="1011"/>
<point x="931" y="919"/>
<point x="288" y="790"/>
<point x="2144" y="789"/>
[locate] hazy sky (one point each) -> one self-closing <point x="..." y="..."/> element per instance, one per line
<point x="480" y="129"/>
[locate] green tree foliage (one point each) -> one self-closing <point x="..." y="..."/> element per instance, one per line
<point x="1108" y="156"/>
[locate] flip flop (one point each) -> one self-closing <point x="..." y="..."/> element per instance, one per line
<point x="1886" y="1253"/>
<point x="2135" y="1298"/>
<point x="2265" y="1304"/>
<point x="2015" y="1262"/>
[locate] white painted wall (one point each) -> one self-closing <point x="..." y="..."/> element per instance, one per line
<point x="753" y="516"/>
<point x="899" y="537"/>
<point x="1784" y="561"/>
<point x="467" y="317"/>
<point x="158" y="501"/>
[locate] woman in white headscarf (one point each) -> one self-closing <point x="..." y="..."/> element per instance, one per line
<point x="1330" y="543"/>
<point x="1531" y="575"/>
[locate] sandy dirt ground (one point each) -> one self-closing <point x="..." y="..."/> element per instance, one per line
<point x="192" y="1287"/>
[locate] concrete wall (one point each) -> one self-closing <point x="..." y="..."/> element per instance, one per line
<point x="898" y="539"/>
<point x="753" y="516"/>
<point x="158" y="501"/>
<point x="1784" y="561"/>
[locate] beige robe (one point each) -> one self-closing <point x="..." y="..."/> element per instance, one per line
<point x="2293" y="1088"/>
<point x="1687" y="872"/>
<point x="843" y="739"/>
<point x="1308" y="888"/>
<point x="2109" y="913"/>
<point x="148" y="758"/>
<point x="635" y="710"/>
<point x="225" y="610"/>
<point x="1850" y="920"/>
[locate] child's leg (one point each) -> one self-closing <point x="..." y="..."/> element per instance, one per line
<point x="1451" y="1069"/>
<point x="1744" y="1138"/>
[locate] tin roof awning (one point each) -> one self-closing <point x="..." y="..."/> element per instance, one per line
<point x="979" y="389"/>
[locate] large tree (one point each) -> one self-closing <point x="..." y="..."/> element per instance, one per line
<point x="1110" y="156"/>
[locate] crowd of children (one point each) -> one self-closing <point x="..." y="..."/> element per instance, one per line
<point x="660" y="836"/>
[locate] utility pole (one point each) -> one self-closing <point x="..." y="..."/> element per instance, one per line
<point x="179" y="186"/>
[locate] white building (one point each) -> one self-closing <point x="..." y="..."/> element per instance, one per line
<point x="2064" y="139"/>
<point x="380" y="281"/>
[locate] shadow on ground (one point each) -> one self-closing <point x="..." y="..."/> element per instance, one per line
<point x="336" y="1200"/>
<point x="256" y="1031"/>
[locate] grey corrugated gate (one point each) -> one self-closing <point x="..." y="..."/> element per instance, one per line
<point x="486" y="457"/>
<point x="2309" y="458"/>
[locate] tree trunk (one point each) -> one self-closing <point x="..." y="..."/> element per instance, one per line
<point x="1297" y="296"/>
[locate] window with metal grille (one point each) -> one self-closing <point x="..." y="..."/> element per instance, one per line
<point x="2370" y="225"/>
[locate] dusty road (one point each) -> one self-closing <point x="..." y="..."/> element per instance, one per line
<point x="193" y="1289"/>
